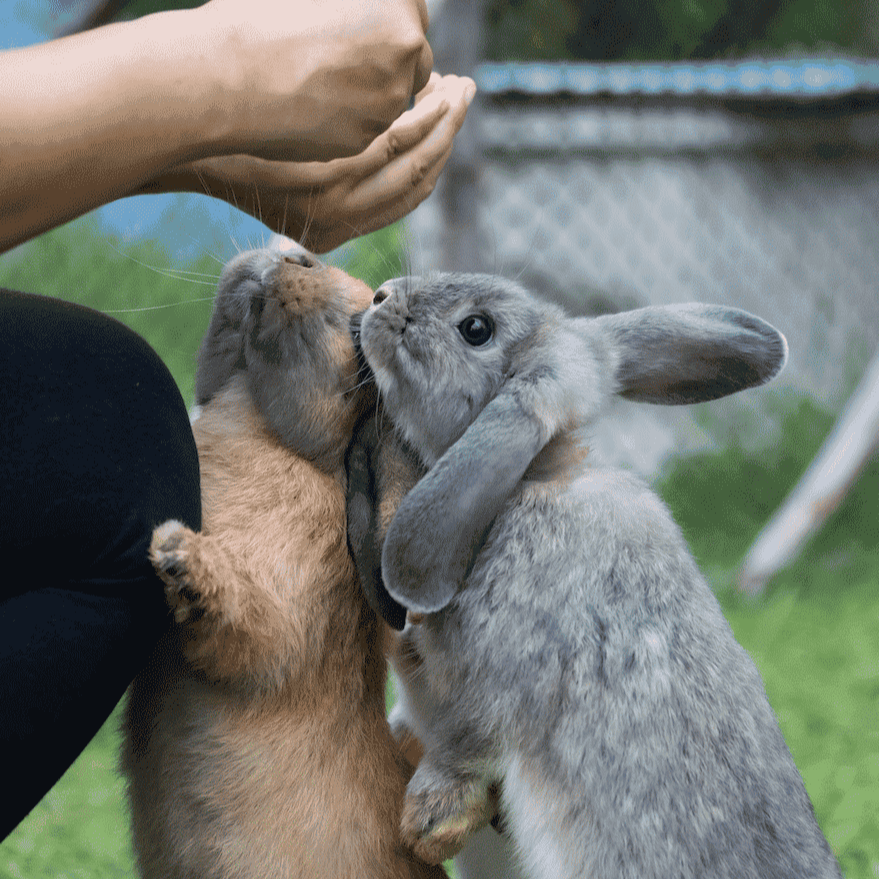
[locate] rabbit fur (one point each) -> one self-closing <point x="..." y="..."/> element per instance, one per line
<point x="566" y="646"/>
<point x="255" y="742"/>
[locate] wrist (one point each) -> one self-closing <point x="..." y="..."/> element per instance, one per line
<point x="227" y="63"/>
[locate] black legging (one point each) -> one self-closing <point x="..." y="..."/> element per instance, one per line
<point x="95" y="451"/>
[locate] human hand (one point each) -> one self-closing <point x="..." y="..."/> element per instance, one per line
<point x="312" y="82"/>
<point x="323" y="204"/>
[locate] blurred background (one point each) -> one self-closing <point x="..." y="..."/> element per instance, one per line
<point x="619" y="154"/>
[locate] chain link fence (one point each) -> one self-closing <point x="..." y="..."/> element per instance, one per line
<point x="766" y="200"/>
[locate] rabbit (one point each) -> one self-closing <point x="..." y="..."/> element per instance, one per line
<point x="559" y="647"/>
<point x="256" y="742"/>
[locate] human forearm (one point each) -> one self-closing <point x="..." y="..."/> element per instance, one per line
<point x="93" y="117"/>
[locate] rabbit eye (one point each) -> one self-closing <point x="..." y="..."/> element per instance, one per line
<point x="476" y="329"/>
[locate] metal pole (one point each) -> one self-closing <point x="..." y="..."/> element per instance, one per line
<point x="458" y="48"/>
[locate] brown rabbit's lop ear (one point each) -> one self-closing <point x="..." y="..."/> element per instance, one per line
<point x="221" y="351"/>
<point x="692" y="353"/>
<point x="442" y="522"/>
<point x="366" y="483"/>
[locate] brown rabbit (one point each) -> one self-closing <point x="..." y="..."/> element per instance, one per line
<point x="256" y="743"/>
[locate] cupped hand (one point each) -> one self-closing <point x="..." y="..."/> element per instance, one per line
<point x="324" y="204"/>
<point x="314" y="80"/>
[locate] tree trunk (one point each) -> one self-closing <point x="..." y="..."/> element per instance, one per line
<point x="457" y="39"/>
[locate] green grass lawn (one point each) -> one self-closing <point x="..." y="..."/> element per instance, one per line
<point x="814" y="636"/>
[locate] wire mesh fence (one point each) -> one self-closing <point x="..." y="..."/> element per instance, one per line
<point x="766" y="199"/>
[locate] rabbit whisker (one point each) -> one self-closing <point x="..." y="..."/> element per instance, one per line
<point x="156" y="307"/>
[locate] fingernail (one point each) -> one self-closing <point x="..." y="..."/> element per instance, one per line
<point x="470" y="93"/>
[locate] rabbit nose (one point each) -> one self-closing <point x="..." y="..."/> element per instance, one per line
<point x="301" y="258"/>
<point x="293" y="252"/>
<point x="382" y="293"/>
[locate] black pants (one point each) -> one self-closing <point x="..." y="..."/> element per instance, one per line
<point x="95" y="451"/>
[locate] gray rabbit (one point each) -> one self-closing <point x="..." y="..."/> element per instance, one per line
<point x="567" y="652"/>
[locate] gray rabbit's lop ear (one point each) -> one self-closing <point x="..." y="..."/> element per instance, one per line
<point x="692" y="353"/>
<point x="670" y="355"/>
<point x="442" y="522"/>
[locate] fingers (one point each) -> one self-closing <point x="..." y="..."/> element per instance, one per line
<point x="408" y="131"/>
<point x="420" y="126"/>
<point x="396" y="208"/>
<point x="393" y="188"/>
<point x="433" y="83"/>
<point x="395" y="205"/>
<point x="416" y="168"/>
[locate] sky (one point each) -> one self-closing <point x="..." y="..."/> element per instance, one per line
<point x="187" y="225"/>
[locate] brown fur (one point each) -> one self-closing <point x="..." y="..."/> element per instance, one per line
<point x="256" y="740"/>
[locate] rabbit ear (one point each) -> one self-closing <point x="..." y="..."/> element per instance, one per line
<point x="690" y="353"/>
<point x="440" y="525"/>
<point x="222" y="349"/>
<point x="364" y="529"/>
<point x="553" y="380"/>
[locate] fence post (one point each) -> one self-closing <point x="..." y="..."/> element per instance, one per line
<point x="458" y="48"/>
<point x="821" y="489"/>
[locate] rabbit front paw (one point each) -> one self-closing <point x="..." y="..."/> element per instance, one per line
<point x="440" y="814"/>
<point x="170" y="552"/>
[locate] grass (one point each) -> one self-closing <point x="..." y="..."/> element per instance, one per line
<point x="814" y="636"/>
<point x="820" y="664"/>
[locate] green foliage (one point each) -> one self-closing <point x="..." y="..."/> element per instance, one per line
<point x="375" y="258"/>
<point x="819" y="658"/>
<point x="722" y="502"/>
<point x="810" y="25"/>
<point x="535" y="30"/>
<point x="80" y="828"/>
<point x="135" y="283"/>
<point x="137" y="8"/>
<point x="605" y="30"/>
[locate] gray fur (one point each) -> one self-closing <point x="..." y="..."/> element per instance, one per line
<point x="571" y="650"/>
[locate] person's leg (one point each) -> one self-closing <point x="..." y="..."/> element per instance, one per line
<point x="95" y="451"/>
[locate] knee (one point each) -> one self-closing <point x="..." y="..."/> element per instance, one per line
<point x="99" y="449"/>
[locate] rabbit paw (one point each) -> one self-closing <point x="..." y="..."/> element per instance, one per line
<point x="170" y="554"/>
<point x="410" y="748"/>
<point x="441" y="814"/>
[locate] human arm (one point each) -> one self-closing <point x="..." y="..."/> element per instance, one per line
<point x="100" y="115"/>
